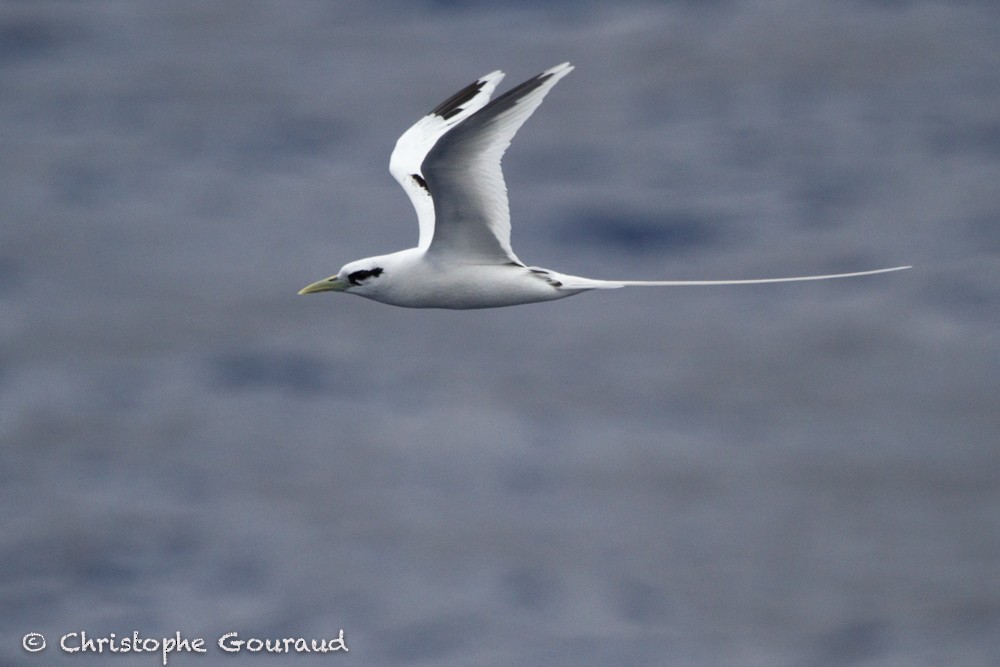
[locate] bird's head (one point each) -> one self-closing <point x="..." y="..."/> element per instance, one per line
<point x="357" y="277"/>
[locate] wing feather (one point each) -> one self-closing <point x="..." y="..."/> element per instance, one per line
<point x="413" y="145"/>
<point x="463" y="174"/>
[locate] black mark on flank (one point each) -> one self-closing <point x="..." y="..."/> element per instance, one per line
<point x="453" y="105"/>
<point x="419" y="180"/>
<point x="355" y="277"/>
<point x="546" y="275"/>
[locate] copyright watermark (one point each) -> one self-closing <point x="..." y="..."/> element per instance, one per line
<point x="33" y="642"/>
<point x="164" y="647"/>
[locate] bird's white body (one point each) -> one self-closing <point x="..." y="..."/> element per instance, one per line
<point x="449" y="165"/>
<point x="413" y="279"/>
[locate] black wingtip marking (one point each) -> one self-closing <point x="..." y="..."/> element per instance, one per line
<point x="514" y="95"/>
<point x="419" y="180"/>
<point x="453" y="105"/>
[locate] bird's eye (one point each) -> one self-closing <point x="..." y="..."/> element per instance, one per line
<point x="355" y="277"/>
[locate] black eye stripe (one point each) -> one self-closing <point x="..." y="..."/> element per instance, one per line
<point x="355" y="277"/>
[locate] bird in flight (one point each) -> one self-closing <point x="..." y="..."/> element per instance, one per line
<point x="449" y="165"/>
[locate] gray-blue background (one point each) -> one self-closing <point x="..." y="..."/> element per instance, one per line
<point x="777" y="475"/>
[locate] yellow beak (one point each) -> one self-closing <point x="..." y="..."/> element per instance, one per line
<point x="333" y="284"/>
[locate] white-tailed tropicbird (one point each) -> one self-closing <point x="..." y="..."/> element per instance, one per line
<point x="449" y="165"/>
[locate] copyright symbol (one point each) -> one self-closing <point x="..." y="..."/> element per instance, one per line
<point x="33" y="642"/>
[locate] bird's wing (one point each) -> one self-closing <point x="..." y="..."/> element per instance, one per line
<point x="412" y="146"/>
<point x="463" y="175"/>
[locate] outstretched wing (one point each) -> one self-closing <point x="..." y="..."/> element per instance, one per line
<point x="412" y="146"/>
<point x="463" y="175"/>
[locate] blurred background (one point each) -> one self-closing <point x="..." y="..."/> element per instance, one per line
<point x="803" y="474"/>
